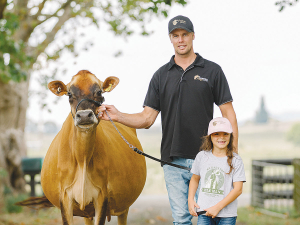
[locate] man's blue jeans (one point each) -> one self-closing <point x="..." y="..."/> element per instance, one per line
<point x="177" y="183"/>
<point x="207" y="220"/>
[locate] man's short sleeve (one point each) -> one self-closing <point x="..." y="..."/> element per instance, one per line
<point x="152" y="99"/>
<point x="221" y="89"/>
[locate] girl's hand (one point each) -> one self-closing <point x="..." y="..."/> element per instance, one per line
<point x="192" y="205"/>
<point x="213" y="211"/>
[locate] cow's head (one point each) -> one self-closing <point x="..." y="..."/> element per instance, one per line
<point x="84" y="85"/>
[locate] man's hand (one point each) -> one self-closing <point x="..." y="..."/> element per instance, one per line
<point x="140" y="120"/>
<point x="110" y="109"/>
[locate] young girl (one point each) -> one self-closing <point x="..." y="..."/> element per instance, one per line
<point x="222" y="175"/>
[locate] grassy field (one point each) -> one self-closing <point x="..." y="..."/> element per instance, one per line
<point x="255" y="142"/>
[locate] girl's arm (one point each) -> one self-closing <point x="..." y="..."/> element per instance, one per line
<point x="235" y="192"/>
<point x="194" y="182"/>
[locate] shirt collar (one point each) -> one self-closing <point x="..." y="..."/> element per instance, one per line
<point x="199" y="61"/>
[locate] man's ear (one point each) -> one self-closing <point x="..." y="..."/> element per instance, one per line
<point x="58" y="88"/>
<point x="110" y="83"/>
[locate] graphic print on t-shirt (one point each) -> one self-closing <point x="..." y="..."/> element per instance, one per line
<point x="214" y="181"/>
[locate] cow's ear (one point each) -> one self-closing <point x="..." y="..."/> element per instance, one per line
<point x="58" y="88"/>
<point x="110" y="83"/>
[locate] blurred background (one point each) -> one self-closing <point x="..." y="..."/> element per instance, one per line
<point x="255" y="42"/>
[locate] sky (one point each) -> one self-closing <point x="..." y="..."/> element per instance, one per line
<point x="257" y="47"/>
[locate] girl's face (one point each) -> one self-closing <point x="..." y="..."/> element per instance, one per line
<point x="220" y="140"/>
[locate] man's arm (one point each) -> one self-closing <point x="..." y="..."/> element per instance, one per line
<point x="229" y="113"/>
<point x="144" y="119"/>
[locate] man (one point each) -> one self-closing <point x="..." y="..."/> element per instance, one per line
<point x="184" y="90"/>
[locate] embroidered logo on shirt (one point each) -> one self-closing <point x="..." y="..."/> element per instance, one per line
<point x="214" y="180"/>
<point x="197" y="77"/>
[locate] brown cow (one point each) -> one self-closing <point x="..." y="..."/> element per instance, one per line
<point x="89" y="170"/>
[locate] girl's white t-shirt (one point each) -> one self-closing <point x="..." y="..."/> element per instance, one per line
<point x="215" y="184"/>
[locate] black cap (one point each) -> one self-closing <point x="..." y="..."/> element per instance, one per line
<point x="181" y="22"/>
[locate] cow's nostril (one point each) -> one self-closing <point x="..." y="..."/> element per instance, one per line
<point x="78" y="115"/>
<point x="90" y="114"/>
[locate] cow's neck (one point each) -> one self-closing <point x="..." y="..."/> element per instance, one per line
<point x="83" y="145"/>
<point x="83" y="188"/>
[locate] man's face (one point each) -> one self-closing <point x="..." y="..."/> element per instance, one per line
<point x="182" y="41"/>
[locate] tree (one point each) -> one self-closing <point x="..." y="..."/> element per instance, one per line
<point x="34" y="32"/>
<point x="262" y="114"/>
<point x="285" y="3"/>
<point x="2" y="7"/>
<point x="293" y="134"/>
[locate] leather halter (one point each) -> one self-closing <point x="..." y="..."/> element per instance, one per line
<point x="89" y="100"/>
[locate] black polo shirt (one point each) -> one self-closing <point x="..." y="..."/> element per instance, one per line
<point x="186" y="102"/>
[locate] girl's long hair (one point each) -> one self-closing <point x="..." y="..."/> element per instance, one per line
<point x="207" y="145"/>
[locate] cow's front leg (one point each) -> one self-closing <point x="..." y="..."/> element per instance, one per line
<point x="100" y="205"/>
<point x="88" y="221"/>
<point x="122" y="219"/>
<point x="66" y="208"/>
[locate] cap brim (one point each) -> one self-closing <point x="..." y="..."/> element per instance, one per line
<point x="229" y="131"/>
<point x="179" y="27"/>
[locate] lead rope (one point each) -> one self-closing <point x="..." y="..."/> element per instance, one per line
<point x="142" y="153"/>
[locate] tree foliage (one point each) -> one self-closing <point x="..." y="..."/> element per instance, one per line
<point x="285" y="3"/>
<point x="32" y="30"/>
<point x="13" y="56"/>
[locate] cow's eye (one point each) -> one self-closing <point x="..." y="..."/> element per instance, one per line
<point x="99" y="93"/>
<point x="69" y="94"/>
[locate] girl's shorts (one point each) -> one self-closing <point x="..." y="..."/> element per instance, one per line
<point x="207" y="220"/>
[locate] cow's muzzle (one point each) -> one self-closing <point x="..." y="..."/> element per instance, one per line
<point x="85" y="119"/>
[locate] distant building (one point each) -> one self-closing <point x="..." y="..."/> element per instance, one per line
<point x="262" y="115"/>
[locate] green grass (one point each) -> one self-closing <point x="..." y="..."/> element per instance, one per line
<point x="252" y="216"/>
<point x="10" y="201"/>
<point x="246" y="216"/>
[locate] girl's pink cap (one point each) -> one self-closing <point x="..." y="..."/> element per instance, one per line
<point x="219" y="124"/>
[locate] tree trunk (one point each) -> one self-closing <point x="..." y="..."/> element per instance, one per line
<point x="13" y="105"/>
<point x="2" y="7"/>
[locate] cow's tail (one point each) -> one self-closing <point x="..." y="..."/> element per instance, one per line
<point x="36" y="202"/>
